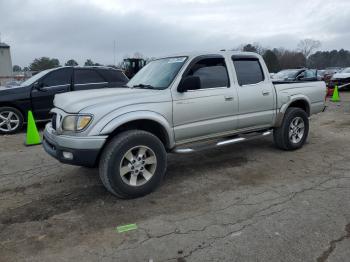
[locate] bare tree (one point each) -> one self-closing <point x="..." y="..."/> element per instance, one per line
<point x="254" y="47"/>
<point x="138" y="55"/>
<point x="307" y="46"/>
<point x="259" y="48"/>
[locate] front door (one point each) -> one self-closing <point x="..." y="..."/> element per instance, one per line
<point x="207" y="111"/>
<point x="55" y="82"/>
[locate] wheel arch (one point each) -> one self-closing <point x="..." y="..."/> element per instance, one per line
<point x="9" y="104"/>
<point x="301" y="102"/>
<point x="143" y="120"/>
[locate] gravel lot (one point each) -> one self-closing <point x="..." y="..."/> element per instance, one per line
<point x="244" y="202"/>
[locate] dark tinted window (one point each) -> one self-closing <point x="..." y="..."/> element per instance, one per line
<point x="248" y="71"/>
<point x="211" y="71"/>
<point x="86" y="76"/>
<point x="113" y="75"/>
<point x="58" y="77"/>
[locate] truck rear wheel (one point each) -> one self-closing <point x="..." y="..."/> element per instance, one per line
<point x="11" y="120"/>
<point x="294" y="130"/>
<point x="133" y="164"/>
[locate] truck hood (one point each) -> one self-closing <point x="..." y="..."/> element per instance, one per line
<point x="341" y="76"/>
<point x="74" y="102"/>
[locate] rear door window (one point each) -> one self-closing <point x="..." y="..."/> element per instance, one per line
<point x="113" y="75"/>
<point x="87" y="76"/>
<point x="248" y="71"/>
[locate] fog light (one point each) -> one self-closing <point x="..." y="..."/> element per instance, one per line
<point x="68" y="155"/>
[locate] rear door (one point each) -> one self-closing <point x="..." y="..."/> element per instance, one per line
<point x="55" y="82"/>
<point x="256" y="93"/>
<point x="89" y="78"/>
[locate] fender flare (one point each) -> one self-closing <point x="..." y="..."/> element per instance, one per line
<point x="285" y="106"/>
<point x="140" y="115"/>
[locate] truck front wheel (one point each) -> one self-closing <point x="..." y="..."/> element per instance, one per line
<point x="133" y="164"/>
<point x="294" y="130"/>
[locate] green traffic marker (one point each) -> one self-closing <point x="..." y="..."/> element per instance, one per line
<point x="125" y="228"/>
<point x="33" y="136"/>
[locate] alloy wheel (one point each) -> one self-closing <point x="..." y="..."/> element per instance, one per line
<point x="9" y="121"/>
<point x="296" y="130"/>
<point x="138" y="166"/>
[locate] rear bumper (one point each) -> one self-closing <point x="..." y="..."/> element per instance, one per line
<point x="81" y="151"/>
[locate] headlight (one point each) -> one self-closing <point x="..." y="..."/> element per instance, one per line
<point x="76" y="122"/>
<point x="69" y="123"/>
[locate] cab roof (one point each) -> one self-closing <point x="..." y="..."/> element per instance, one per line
<point x="221" y="52"/>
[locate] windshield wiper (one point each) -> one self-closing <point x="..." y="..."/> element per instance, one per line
<point x="144" y="86"/>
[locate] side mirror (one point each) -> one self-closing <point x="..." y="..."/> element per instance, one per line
<point x="39" y="86"/>
<point x="300" y="77"/>
<point x="189" y="83"/>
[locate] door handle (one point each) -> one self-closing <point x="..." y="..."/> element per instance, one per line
<point x="228" y="98"/>
<point x="60" y="91"/>
<point x="265" y="93"/>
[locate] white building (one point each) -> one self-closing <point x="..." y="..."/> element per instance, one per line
<point x="5" y="64"/>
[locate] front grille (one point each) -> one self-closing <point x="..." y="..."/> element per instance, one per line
<point x="53" y="121"/>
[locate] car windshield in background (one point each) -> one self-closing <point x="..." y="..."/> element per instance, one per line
<point x="286" y="74"/>
<point x="158" y="74"/>
<point x="321" y="72"/>
<point x="36" y="77"/>
<point x="345" y="70"/>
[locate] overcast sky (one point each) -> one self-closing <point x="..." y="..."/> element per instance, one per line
<point x="82" y="29"/>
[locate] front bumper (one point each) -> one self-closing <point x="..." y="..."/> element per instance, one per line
<point x="74" y="150"/>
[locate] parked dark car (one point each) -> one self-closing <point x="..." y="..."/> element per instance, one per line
<point x="37" y="93"/>
<point x="300" y="74"/>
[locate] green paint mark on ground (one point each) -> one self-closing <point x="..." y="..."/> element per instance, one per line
<point x="125" y="228"/>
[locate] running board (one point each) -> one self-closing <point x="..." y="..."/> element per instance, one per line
<point x="229" y="141"/>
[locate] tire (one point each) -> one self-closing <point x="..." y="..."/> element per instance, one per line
<point x="290" y="136"/>
<point x="11" y="120"/>
<point x="121" y="170"/>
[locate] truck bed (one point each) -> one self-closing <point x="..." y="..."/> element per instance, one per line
<point x="307" y="90"/>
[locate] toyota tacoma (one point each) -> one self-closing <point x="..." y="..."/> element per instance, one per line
<point x="178" y="104"/>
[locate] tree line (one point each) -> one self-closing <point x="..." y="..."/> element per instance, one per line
<point x="44" y="63"/>
<point x="304" y="55"/>
<point x="276" y="59"/>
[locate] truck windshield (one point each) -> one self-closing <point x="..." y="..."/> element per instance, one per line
<point x="158" y="74"/>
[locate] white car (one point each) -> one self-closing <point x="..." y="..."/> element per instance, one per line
<point x="342" y="78"/>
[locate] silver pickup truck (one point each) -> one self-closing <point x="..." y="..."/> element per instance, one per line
<point x="178" y="104"/>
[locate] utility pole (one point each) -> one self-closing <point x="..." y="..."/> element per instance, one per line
<point x="114" y="53"/>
